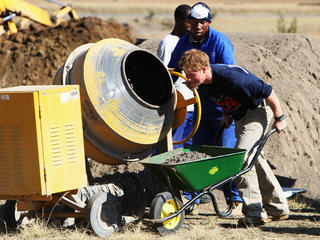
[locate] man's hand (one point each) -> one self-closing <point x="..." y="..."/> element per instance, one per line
<point x="280" y="125"/>
<point x="188" y="83"/>
<point x="226" y="121"/>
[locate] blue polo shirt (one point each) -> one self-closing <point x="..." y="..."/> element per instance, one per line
<point x="235" y="89"/>
<point x="219" y="49"/>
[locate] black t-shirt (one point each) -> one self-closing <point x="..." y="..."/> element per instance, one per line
<point x="235" y="89"/>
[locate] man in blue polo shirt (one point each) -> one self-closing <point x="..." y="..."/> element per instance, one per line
<point x="220" y="50"/>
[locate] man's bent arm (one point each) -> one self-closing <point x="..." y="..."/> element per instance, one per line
<point x="274" y="103"/>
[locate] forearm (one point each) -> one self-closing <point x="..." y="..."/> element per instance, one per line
<point x="280" y="119"/>
<point x="274" y="103"/>
<point x="226" y="121"/>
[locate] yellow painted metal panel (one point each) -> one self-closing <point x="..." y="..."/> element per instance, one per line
<point x="21" y="164"/>
<point x="62" y="138"/>
<point x="41" y="141"/>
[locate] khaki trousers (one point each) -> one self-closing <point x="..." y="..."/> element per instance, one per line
<point x="260" y="190"/>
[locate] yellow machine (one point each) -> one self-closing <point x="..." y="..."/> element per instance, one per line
<point x="41" y="142"/>
<point x="9" y="9"/>
<point x="123" y="110"/>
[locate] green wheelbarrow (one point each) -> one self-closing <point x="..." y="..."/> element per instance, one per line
<point x="224" y="165"/>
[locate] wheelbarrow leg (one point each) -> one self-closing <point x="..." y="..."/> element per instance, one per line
<point x="216" y="208"/>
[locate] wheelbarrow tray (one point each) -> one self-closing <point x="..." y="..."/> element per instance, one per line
<point x="199" y="174"/>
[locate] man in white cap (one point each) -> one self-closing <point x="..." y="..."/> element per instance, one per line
<point x="220" y="50"/>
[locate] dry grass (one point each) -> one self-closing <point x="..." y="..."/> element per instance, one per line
<point x="195" y="228"/>
<point x="39" y="230"/>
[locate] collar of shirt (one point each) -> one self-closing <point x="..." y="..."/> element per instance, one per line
<point x="195" y="43"/>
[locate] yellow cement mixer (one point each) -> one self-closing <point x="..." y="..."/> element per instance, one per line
<point x="127" y="97"/>
<point x="118" y="96"/>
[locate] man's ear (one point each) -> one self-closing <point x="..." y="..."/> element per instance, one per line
<point x="204" y="69"/>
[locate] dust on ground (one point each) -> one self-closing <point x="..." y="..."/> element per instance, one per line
<point x="290" y="62"/>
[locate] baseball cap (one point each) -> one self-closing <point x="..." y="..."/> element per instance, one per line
<point x="201" y="11"/>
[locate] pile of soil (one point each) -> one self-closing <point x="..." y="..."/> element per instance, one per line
<point x="33" y="56"/>
<point x="186" y="157"/>
<point x="290" y="62"/>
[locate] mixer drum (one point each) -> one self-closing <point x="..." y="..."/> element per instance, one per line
<point x="127" y="99"/>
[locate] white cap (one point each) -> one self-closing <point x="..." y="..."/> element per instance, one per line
<point x="201" y="11"/>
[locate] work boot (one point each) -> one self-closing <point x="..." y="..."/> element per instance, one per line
<point x="237" y="209"/>
<point x="279" y="218"/>
<point x="236" y="204"/>
<point x="205" y="199"/>
<point x="195" y="210"/>
<point x="253" y="221"/>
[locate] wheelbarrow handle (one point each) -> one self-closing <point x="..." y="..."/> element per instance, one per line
<point x="231" y="179"/>
<point x="260" y="147"/>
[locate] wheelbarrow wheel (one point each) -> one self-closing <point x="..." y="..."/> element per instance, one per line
<point x="103" y="213"/>
<point x="162" y="206"/>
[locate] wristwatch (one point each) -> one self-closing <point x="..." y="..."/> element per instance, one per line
<point x="280" y="118"/>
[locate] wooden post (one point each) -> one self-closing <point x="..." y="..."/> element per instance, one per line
<point x="166" y="144"/>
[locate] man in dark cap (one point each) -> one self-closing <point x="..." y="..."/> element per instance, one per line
<point x="164" y="51"/>
<point x="181" y="26"/>
<point x="220" y="50"/>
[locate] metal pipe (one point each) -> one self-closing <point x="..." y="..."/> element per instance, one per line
<point x="58" y="3"/>
<point x="196" y="96"/>
<point x="7" y="18"/>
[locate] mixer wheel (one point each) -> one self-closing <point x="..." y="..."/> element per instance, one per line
<point x="11" y="215"/>
<point x="103" y="213"/>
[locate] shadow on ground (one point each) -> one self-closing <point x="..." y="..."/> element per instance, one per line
<point x="313" y="231"/>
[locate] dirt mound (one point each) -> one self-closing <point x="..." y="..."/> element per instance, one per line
<point x="291" y="63"/>
<point x="33" y="56"/>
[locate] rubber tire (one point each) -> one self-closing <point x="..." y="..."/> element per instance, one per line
<point x="156" y="209"/>
<point x="11" y="215"/>
<point x="103" y="213"/>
